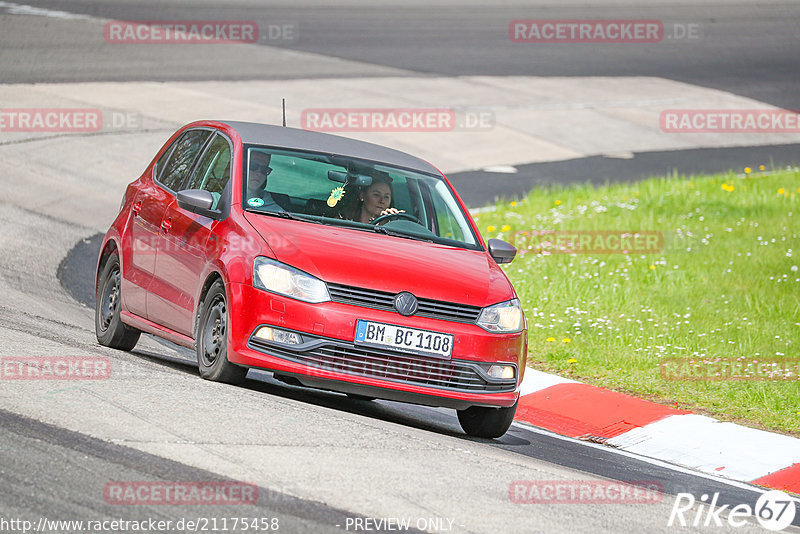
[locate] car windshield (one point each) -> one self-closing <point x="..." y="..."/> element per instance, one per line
<point x="343" y="191"/>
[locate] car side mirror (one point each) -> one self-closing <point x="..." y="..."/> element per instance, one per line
<point x="501" y="251"/>
<point x="197" y="201"/>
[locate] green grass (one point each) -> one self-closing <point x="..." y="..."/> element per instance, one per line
<point x="726" y="285"/>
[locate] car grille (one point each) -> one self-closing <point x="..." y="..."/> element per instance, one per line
<point x="342" y="357"/>
<point x="383" y="300"/>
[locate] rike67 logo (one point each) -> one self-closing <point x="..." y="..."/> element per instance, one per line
<point x="774" y="510"/>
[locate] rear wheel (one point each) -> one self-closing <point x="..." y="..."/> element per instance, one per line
<point x="108" y="325"/>
<point x="481" y="422"/>
<point x="212" y="339"/>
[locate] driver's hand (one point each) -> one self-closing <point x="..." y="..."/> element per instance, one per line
<point x="391" y="211"/>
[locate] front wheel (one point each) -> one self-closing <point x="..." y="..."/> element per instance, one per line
<point x="108" y="325"/>
<point x="481" y="422"/>
<point x="212" y="339"/>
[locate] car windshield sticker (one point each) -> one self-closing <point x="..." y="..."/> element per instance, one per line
<point x="336" y="196"/>
<point x="256" y="202"/>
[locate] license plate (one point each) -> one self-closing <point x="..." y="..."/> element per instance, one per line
<point x="404" y="339"/>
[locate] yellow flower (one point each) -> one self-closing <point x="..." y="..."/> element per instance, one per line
<point x="566" y="340"/>
<point x="728" y="188"/>
<point x="760" y="167"/>
<point x="780" y="191"/>
<point x="551" y="339"/>
<point x="558" y="202"/>
<point x="505" y="228"/>
<point x="653" y="267"/>
<point x="798" y="189"/>
<point x="490" y="229"/>
<point x="572" y="360"/>
<point x="747" y="170"/>
<point x="513" y="203"/>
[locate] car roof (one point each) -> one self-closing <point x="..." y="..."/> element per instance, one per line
<point x="293" y="138"/>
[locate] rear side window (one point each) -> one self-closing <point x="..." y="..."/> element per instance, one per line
<point x="181" y="161"/>
<point x="214" y="170"/>
<point x="161" y="162"/>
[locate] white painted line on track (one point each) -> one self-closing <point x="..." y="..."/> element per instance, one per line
<point x="652" y="461"/>
<point x="710" y="445"/>
<point x="21" y="9"/>
<point x="535" y="380"/>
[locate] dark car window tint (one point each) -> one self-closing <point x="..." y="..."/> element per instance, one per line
<point x="214" y="170"/>
<point x="331" y="189"/>
<point x="182" y="158"/>
<point x="299" y="177"/>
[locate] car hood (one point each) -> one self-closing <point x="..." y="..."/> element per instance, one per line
<point x="385" y="263"/>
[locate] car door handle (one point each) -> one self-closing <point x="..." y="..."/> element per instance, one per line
<point x="166" y="225"/>
<point x="137" y="207"/>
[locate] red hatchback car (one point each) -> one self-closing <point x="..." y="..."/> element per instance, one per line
<point x="330" y="262"/>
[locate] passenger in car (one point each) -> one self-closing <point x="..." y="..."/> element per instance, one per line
<point x="258" y="173"/>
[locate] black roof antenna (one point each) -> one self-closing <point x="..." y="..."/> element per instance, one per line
<point x="283" y="103"/>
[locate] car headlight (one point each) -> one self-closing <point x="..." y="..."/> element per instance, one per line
<point x="503" y="318"/>
<point x="277" y="277"/>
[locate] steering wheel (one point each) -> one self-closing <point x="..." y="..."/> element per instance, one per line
<point x="400" y="215"/>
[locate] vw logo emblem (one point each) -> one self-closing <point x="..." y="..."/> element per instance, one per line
<point x="405" y="303"/>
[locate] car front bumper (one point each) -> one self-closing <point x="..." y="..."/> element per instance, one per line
<point x="327" y="358"/>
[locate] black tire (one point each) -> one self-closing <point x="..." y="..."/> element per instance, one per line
<point x="108" y="326"/>
<point x="481" y="422"/>
<point x="211" y="339"/>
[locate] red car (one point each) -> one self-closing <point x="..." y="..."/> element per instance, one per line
<point x="330" y="262"/>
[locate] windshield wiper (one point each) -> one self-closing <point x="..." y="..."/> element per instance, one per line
<point x="386" y="231"/>
<point x="287" y="215"/>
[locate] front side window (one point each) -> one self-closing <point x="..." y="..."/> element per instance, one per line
<point x="182" y="158"/>
<point x="344" y="191"/>
<point x="214" y="170"/>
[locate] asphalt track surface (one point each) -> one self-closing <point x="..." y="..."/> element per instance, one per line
<point x="748" y="49"/>
<point x="49" y="470"/>
<point x="30" y="448"/>
<point x="479" y="187"/>
<point x="545" y="447"/>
